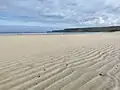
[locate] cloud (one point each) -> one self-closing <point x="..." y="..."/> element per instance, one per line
<point x="61" y="13"/>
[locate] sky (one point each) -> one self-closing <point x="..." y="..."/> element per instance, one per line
<point x="59" y="14"/>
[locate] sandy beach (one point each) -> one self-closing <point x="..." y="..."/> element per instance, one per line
<point x="60" y="62"/>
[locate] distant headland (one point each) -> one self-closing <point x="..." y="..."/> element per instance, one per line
<point x="89" y="29"/>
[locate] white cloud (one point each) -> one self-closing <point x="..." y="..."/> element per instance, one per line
<point x="69" y="13"/>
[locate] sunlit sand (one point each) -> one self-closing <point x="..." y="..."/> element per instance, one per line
<point x="60" y="62"/>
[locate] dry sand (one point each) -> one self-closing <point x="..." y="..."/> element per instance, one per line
<point x="60" y="62"/>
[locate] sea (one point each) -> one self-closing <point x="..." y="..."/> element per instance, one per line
<point x="45" y="33"/>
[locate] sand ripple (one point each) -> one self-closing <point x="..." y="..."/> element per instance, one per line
<point x="77" y="67"/>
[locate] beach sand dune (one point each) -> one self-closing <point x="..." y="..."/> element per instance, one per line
<point x="60" y="62"/>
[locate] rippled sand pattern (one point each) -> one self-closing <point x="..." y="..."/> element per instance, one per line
<point x="60" y="62"/>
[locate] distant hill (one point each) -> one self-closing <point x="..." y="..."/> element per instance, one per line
<point x="90" y="29"/>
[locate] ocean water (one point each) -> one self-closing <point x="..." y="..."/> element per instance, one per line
<point x="75" y="33"/>
<point x="54" y="33"/>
